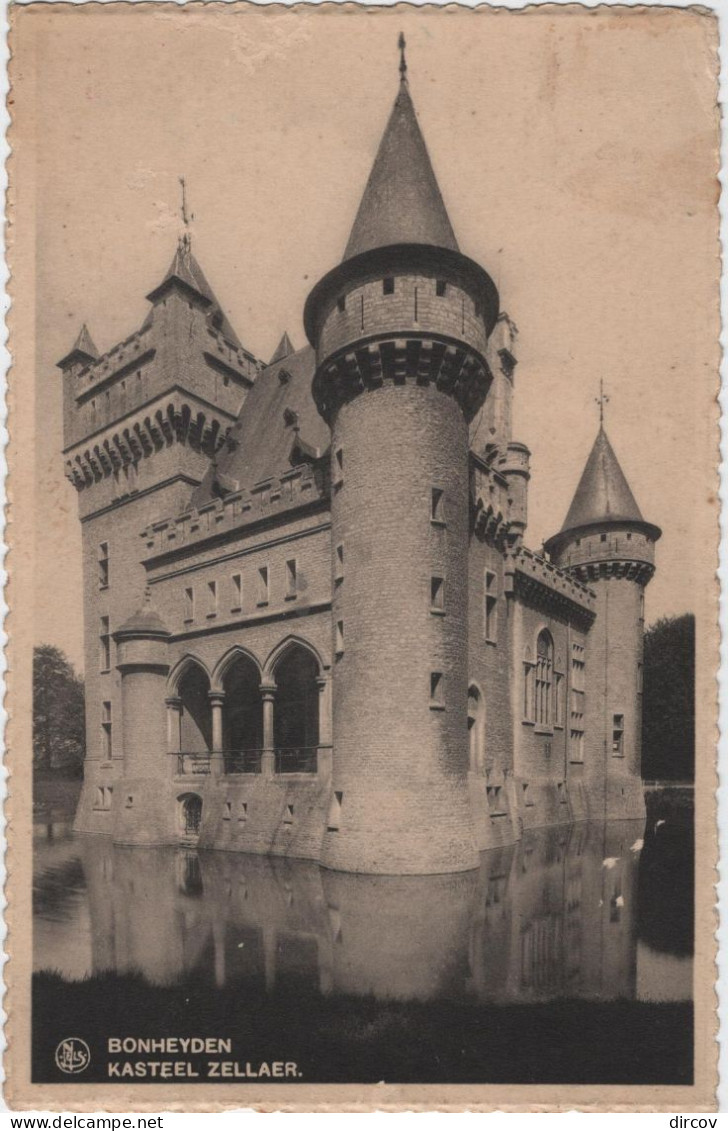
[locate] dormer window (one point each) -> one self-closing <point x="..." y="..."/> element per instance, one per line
<point x="388" y="285"/>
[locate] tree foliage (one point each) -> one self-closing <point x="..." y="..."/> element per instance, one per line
<point x="58" y="714"/>
<point x="668" y="721"/>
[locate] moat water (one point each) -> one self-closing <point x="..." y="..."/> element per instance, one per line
<point x="593" y="912"/>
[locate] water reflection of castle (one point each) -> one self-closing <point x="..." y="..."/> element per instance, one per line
<point x="551" y="916"/>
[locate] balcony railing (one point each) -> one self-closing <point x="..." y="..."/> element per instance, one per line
<point x="287" y="760"/>
<point x="296" y="760"/>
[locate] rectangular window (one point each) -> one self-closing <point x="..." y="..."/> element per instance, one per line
<point x="441" y="288"/>
<point x="263" y="587"/>
<point x="491" y="607"/>
<point x="341" y="303"/>
<point x="104" y="645"/>
<point x="237" y="580"/>
<point x="288" y="816"/>
<point x="339" y="565"/>
<point x="291" y="579"/>
<point x="228" y="811"/>
<point x="437" y="691"/>
<point x="339" y="646"/>
<point x="528" y="691"/>
<point x="618" y="736"/>
<point x="642" y="604"/>
<point x="437" y="505"/>
<point x="388" y="285"/>
<point x="189" y="605"/>
<point x="558" y="699"/>
<point x="212" y="598"/>
<point x="243" y="812"/>
<point x="106" y="731"/>
<point x="103" y="565"/>
<point x="437" y="594"/>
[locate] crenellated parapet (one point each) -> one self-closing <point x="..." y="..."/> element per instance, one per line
<point x="266" y="500"/>
<point x="543" y="583"/>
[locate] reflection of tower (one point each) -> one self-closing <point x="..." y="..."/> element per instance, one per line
<point x="400" y="331"/>
<point x="606" y="544"/>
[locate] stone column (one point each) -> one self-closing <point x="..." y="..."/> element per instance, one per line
<point x="323" y="683"/>
<point x="268" y="693"/>
<point x="217" y="764"/>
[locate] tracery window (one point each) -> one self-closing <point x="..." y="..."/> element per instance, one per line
<point x="543" y="687"/>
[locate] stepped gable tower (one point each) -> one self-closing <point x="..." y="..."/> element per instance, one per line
<point x="606" y="543"/>
<point x="400" y="329"/>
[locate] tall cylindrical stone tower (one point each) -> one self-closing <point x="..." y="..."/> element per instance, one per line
<point x="400" y="330"/>
<point x="607" y="545"/>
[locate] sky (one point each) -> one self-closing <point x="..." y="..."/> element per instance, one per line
<point x="576" y="154"/>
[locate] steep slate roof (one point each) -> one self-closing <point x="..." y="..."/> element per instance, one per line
<point x="603" y="494"/>
<point x="83" y="345"/>
<point x="185" y="269"/>
<point x="260" y="443"/>
<point x="402" y="202"/>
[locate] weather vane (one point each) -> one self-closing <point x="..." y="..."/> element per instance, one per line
<point x="601" y="400"/>
<point x="187" y="217"/>
<point x="402" y="60"/>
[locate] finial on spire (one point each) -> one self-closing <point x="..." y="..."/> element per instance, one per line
<point x="187" y="217"/>
<point x="601" y="400"/>
<point x="402" y="58"/>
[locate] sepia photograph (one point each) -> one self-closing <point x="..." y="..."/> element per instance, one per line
<point x="368" y="478"/>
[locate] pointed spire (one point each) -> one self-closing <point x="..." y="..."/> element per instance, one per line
<point x="83" y="349"/>
<point x="603" y="494"/>
<point x="283" y="349"/>
<point x="184" y="270"/>
<point x="402" y="203"/>
<point x="402" y="58"/>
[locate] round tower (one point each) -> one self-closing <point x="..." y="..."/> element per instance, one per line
<point x="400" y="330"/>
<point x="606" y="544"/>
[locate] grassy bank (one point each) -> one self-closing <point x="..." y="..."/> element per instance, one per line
<point x="341" y="1038"/>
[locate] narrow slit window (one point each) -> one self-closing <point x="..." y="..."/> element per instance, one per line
<point x="237" y="580"/>
<point x="243" y="812"/>
<point x="103" y="565"/>
<point x="212" y="598"/>
<point x="436" y="690"/>
<point x="441" y="288"/>
<point x="618" y="735"/>
<point x="334" y="821"/>
<point x="338" y="467"/>
<point x="388" y="285"/>
<point x="291" y="578"/>
<point x="228" y="811"/>
<point x="490" y="609"/>
<point x="339" y="565"/>
<point x="263" y="586"/>
<point x="437" y="594"/>
<point x="339" y="647"/>
<point x="437" y="505"/>
<point x="104" y="644"/>
<point x="106" y="731"/>
<point x="288" y="816"/>
<point x="189" y="605"/>
<point x="341" y="303"/>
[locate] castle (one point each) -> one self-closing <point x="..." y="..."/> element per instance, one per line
<point x="312" y="626"/>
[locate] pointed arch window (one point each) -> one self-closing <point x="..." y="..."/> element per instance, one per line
<point x="543" y="688"/>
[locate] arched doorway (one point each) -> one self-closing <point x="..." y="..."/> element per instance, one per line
<point x="296" y="723"/>
<point x="190" y="814"/>
<point x="476" y="729"/>
<point x="242" y="716"/>
<point x="195" y="719"/>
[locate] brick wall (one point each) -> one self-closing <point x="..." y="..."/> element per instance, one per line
<point x="400" y="764"/>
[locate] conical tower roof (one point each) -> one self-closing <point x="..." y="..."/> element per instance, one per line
<point x="283" y="349"/>
<point x="185" y="269"/>
<point x="83" y="347"/>
<point x="603" y="494"/>
<point x="402" y="202"/>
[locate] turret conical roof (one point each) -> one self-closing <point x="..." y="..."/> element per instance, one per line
<point x="83" y="347"/>
<point x="283" y="349"/>
<point x="402" y="203"/>
<point x="185" y="269"/>
<point x="603" y="494"/>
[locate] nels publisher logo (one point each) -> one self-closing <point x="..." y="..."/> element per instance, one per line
<point x="73" y="1055"/>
